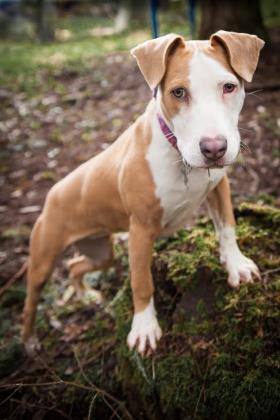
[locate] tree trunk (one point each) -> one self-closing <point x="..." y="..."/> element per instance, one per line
<point x="229" y="15"/>
<point x="131" y="13"/>
<point x="45" y="20"/>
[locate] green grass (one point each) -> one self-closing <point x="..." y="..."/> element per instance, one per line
<point x="22" y="63"/>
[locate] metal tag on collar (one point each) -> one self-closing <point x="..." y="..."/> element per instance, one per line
<point x="186" y="170"/>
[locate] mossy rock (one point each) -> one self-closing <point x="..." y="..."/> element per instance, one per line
<point x="220" y="355"/>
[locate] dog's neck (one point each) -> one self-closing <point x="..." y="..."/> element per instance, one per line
<point x="167" y="155"/>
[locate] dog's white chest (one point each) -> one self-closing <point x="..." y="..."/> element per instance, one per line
<point x="179" y="199"/>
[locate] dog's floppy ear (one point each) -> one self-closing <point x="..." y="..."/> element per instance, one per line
<point x="243" y="51"/>
<point x="151" y="57"/>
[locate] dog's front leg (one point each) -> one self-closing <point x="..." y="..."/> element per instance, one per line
<point x="145" y="330"/>
<point x="240" y="268"/>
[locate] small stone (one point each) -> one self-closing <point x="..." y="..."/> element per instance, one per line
<point x="37" y="143"/>
<point x="261" y="109"/>
<point x="53" y="153"/>
<point x="16" y="193"/>
<point x="29" y="209"/>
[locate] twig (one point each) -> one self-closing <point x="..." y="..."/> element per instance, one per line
<point x="111" y="408"/>
<point x="81" y="369"/>
<point x="48" y="368"/>
<point x="75" y="385"/>
<point x="98" y="390"/>
<point x="34" y="405"/>
<point x="15" y="277"/>
<point x="91" y="405"/>
<point x="10" y="396"/>
<point x="97" y="355"/>
<point x="272" y="270"/>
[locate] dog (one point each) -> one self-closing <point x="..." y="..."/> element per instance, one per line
<point x="154" y="177"/>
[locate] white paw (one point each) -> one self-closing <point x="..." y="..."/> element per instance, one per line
<point x="241" y="269"/>
<point x="145" y="330"/>
<point x="32" y="346"/>
<point x="144" y="337"/>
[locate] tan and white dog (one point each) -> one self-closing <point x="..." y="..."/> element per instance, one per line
<point x="154" y="177"/>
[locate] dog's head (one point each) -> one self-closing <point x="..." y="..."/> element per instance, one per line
<point x="201" y="90"/>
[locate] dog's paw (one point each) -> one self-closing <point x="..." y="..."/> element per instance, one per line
<point x="145" y="331"/>
<point x="32" y="346"/>
<point x="241" y="270"/>
<point x="144" y="337"/>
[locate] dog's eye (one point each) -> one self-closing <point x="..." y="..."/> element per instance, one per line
<point x="229" y="87"/>
<point x="179" y="93"/>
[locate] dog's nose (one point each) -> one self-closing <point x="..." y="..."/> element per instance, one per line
<point x="213" y="148"/>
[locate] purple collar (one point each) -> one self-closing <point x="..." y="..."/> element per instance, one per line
<point x="171" y="138"/>
<point x="167" y="132"/>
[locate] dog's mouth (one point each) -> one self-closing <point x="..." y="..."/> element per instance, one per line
<point x="210" y="164"/>
<point x="216" y="164"/>
<point x="219" y="164"/>
<point x="206" y="163"/>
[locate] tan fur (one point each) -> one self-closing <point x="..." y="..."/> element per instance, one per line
<point x="152" y="57"/>
<point x="219" y="201"/>
<point x="243" y="51"/>
<point x="176" y="76"/>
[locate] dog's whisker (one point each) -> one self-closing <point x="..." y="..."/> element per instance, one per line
<point x="239" y="163"/>
<point x="246" y="129"/>
<point x="242" y="142"/>
<point x="253" y="94"/>
<point x="255" y="91"/>
<point x="245" y="147"/>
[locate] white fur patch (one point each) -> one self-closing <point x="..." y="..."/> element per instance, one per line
<point x="145" y="330"/>
<point x="240" y="268"/>
<point x="179" y="201"/>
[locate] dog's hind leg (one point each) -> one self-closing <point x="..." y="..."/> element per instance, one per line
<point x="97" y="254"/>
<point x="45" y="246"/>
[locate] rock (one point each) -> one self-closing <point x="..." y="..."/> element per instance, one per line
<point x="37" y="143"/>
<point x="30" y="209"/>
